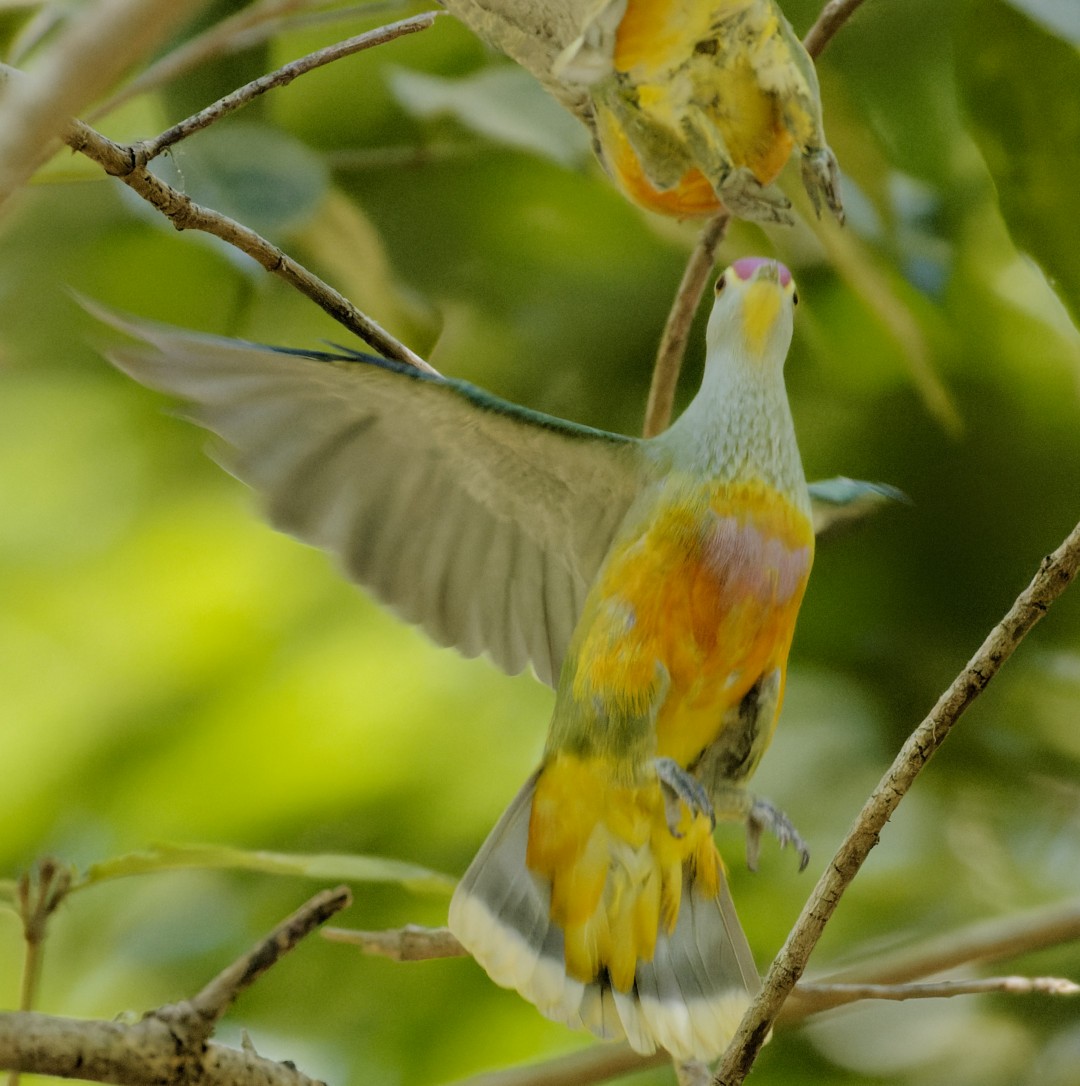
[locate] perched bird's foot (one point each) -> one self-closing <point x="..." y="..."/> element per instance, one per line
<point x="763" y="816"/>
<point x="682" y="792"/>
<point x="746" y="198"/>
<point x="821" y="179"/>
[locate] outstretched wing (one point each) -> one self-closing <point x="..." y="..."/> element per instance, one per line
<point x="480" y="521"/>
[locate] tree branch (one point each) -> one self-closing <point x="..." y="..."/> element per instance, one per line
<point x="672" y="349"/>
<point x="185" y="214"/>
<point x="148" y="150"/>
<point x="833" y="16"/>
<point x="1055" y="573"/>
<point x="411" y="943"/>
<point x="837" y="995"/>
<point x="129" y="165"/>
<point x="217" y="996"/>
<point x="169" y="1046"/>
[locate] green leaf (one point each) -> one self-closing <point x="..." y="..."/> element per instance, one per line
<point x="261" y="177"/>
<point x="502" y="104"/>
<point x="322" y="866"/>
<point x="1019" y="84"/>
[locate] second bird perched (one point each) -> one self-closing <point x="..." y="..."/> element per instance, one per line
<point x="654" y="582"/>
<point x="694" y="105"/>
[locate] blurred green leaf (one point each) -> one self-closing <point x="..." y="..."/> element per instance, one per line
<point x="326" y="866"/>
<point x="253" y="173"/>
<point x="1019" y="85"/>
<point x="504" y="104"/>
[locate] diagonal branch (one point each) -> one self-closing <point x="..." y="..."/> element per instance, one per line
<point x="411" y="943"/>
<point x="833" y="16"/>
<point x="185" y="214"/>
<point x="1054" y="576"/>
<point x="217" y="996"/>
<point x="669" y="357"/>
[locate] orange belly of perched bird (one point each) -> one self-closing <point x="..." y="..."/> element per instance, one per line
<point x="689" y="613"/>
<point x="652" y="42"/>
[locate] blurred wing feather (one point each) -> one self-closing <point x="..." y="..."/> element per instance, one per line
<point x="480" y="521"/>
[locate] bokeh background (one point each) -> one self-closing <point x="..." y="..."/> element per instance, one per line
<point x="171" y="670"/>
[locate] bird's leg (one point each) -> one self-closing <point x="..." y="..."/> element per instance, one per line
<point x="741" y="192"/>
<point x="734" y="803"/>
<point x="821" y="179"/>
<point x="660" y="153"/>
<point x="682" y="791"/>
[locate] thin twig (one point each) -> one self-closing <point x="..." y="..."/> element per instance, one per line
<point x="989" y="941"/>
<point x="39" y="893"/>
<point x="185" y="214"/>
<point x="148" y="150"/>
<point x="217" y="996"/>
<point x="836" y="995"/>
<point x="411" y="943"/>
<point x="832" y="17"/>
<point x="1055" y="573"/>
<point x="669" y="357"/>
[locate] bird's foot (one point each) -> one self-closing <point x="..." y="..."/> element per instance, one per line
<point x="746" y="198"/>
<point x="821" y="179"/>
<point x="733" y="803"/>
<point x="763" y="816"/>
<point x="682" y="792"/>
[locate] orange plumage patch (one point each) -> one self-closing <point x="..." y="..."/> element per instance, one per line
<point x="692" y="196"/>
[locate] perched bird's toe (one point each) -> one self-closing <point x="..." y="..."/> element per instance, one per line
<point x="682" y="792"/>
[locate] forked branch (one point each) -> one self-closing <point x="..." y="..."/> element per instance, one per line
<point x="169" y="1046"/>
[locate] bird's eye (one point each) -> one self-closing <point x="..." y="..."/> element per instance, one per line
<point x="794" y="297"/>
<point x="720" y="284"/>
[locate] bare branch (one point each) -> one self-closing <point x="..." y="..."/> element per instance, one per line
<point x="411" y="943"/>
<point x="169" y="1046"/>
<point x="988" y="941"/>
<point x="213" y="1001"/>
<point x="836" y="995"/>
<point x="669" y="357"/>
<point x="185" y="214"/>
<point x="833" y="16"/>
<point x="1054" y="576"/>
<point x="148" y="150"/>
<point x="146" y="1053"/>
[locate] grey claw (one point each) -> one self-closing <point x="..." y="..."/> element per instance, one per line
<point x="682" y="788"/>
<point x="821" y="179"/>
<point x="764" y="816"/>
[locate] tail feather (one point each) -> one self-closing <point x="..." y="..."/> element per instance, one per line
<point x="687" y="999"/>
